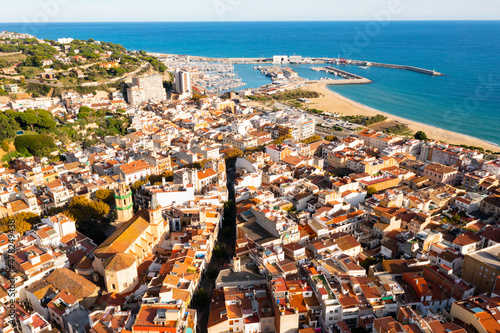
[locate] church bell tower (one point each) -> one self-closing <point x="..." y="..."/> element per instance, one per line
<point x="123" y="201"/>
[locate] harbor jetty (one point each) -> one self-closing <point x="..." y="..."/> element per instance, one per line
<point x="402" y="67"/>
<point x="349" y="78"/>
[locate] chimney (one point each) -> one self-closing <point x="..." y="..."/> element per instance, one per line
<point x="236" y="264"/>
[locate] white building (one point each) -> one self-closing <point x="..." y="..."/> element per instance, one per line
<point x="64" y="40"/>
<point x="493" y="167"/>
<point x="295" y="59"/>
<point x="183" y="83"/>
<point x="152" y="87"/>
<point x="305" y="128"/>
<point x="280" y="59"/>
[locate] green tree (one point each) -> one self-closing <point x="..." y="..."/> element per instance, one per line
<point x="118" y="71"/>
<point x="23" y="222"/>
<point x="80" y="208"/>
<point x="33" y="61"/>
<point x="420" y="135"/>
<point x="8" y="126"/>
<point x="85" y="110"/>
<point x="331" y="138"/>
<point x="219" y="251"/>
<point x="226" y="232"/>
<point x="212" y="273"/>
<point x="311" y="139"/>
<point x="233" y="154"/>
<point x="27" y="120"/>
<point x="229" y="213"/>
<point x="105" y="195"/>
<point x="368" y="262"/>
<point x="168" y="175"/>
<point x="137" y="185"/>
<point x="371" y="191"/>
<point x="5" y="146"/>
<point x="281" y="139"/>
<point x="196" y="97"/>
<point x="40" y="145"/>
<point x="93" y="229"/>
<point x="201" y="298"/>
<point x="116" y="126"/>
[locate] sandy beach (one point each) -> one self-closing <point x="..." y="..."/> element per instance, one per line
<point x="331" y="101"/>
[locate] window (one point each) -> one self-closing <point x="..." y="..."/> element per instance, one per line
<point x="113" y="286"/>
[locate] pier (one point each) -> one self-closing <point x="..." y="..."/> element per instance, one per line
<point x="349" y="78"/>
<point x="402" y="67"/>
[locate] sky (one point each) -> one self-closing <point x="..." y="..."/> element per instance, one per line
<point x="244" y="10"/>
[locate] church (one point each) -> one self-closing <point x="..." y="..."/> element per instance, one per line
<point x="118" y="257"/>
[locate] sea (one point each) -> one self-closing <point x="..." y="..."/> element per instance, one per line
<point x="466" y="99"/>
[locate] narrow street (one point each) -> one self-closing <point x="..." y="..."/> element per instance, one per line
<point x="208" y="284"/>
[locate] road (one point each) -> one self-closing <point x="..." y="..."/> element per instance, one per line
<point x="318" y="119"/>
<point x="330" y="120"/>
<point x="207" y="283"/>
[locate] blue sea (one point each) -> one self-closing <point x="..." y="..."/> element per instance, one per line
<point x="466" y="99"/>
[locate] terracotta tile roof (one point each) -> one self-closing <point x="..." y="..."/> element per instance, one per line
<point x="66" y="280"/>
<point x="84" y="264"/>
<point x="119" y="262"/>
<point x="467" y="238"/>
<point x="18" y="206"/>
<point x="67" y="298"/>
<point x="125" y="235"/>
<point x="134" y="167"/>
<point x="41" y="289"/>
<point x="56" y="183"/>
<point x="206" y="173"/>
<point x="346" y="243"/>
<point x="492" y="233"/>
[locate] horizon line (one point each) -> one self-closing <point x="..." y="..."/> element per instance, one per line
<point x="261" y="21"/>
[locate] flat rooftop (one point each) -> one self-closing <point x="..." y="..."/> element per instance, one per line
<point x="256" y="233"/>
<point x="489" y="256"/>
<point x="247" y="276"/>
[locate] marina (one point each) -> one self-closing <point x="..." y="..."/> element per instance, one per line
<point x="211" y="77"/>
<point x="284" y="60"/>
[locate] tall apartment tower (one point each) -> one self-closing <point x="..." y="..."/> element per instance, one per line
<point x="183" y="83"/>
<point x="123" y="201"/>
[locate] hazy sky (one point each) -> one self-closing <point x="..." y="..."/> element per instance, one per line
<point x="244" y="10"/>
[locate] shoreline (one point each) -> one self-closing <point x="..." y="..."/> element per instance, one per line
<point x="331" y="101"/>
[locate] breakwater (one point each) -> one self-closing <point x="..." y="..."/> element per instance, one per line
<point x="402" y="67"/>
<point x="349" y="78"/>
